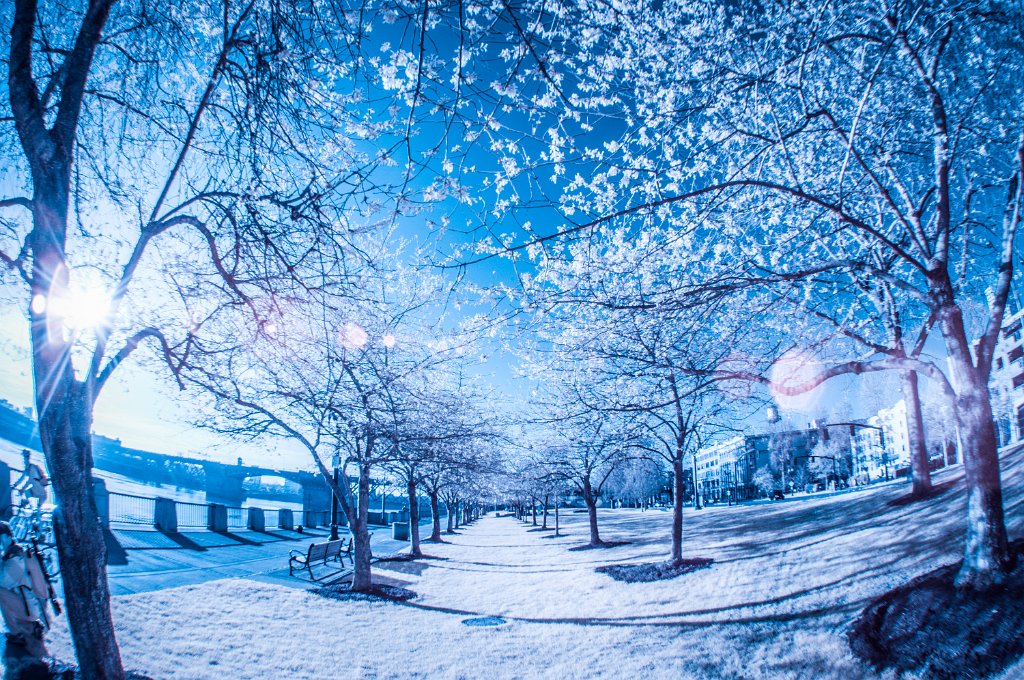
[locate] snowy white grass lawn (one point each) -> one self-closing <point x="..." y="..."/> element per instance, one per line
<point x="786" y="581"/>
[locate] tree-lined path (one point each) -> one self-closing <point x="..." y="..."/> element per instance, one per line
<point x="786" y="581"/>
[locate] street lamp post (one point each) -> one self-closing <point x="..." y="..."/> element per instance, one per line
<point x="696" y="491"/>
<point x="336" y="462"/>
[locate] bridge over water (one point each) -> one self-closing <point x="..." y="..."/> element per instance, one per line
<point x="222" y="482"/>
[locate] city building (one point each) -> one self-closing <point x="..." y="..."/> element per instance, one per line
<point x="714" y="468"/>
<point x="726" y="470"/>
<point x="881" y="445"/>
<point x="1007" y="382"/>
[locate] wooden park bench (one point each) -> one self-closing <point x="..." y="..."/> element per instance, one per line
<point x="320" y="554"/>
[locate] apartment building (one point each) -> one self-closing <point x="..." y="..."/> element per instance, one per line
<point x="881" y="444"/>
<point x="1007" y="382"/>
<point x="726" y="469"/>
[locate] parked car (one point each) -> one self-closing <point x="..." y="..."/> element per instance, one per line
<point x="777" y="495"/>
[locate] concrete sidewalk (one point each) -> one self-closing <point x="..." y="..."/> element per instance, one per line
<point x="141" y="560"/>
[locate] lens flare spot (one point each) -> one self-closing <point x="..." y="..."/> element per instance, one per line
<point x="352" y="336"/>
<point x="791" y="377"/>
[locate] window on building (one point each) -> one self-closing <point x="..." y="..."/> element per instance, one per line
<point x="1018" y="380"/>
<point x="1003" y="431"/>
<point x="1012" y="331"/>
<point x="999" y="363"/>
<point x="1020" y="422"/>
<point x="1015" y="353"/>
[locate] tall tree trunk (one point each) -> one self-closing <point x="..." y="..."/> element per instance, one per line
<point x="451" y="518"/>
<point x="986" y="549"/>
<point x="544" y="524"/>
<point x="533" y="507"/>
<point x="64" y="427"/>
<point x="414" y="520"/>
<point x="588" y="498"/>
<point x="362" y="577"/>
<point x="64" y="406"/>
<point x="557" y="503"/>
<point x="435" y="516"/>
<point x="677" y="510"/>
<point x="920" y="473"/>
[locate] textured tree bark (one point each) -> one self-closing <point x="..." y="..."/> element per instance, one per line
<point x="66" y="434"/>
<point x="414" y="520"/>
<point x="588" y="498"/>
<point x="921" y="476"/>
<point x="986" y="549"/>
<point x="677" y="510"/>
<point x="63" y="404"/>
<point x="435" y="516"/>
<point x="362" y="577"/>
<point x="451" y="518"/>
<point x="544" y="524"/>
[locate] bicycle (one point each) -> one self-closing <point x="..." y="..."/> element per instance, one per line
<point x="32" y="525"/>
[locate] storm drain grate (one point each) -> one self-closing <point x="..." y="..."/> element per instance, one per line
<point x="484" y="621"/>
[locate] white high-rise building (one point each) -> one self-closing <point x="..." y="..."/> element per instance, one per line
<point x="884" y="445"/>
<point x="716" y="467"/>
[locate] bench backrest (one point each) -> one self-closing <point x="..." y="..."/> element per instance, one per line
<point x="324" y="551"/>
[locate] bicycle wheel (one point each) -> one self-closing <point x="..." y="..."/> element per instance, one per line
<point x="50" y="562"/>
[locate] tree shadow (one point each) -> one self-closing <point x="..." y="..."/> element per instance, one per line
<point x="116" y="554"/>
<point x="929" y="625"/>
<point x="650" y="572"/>
<point x="241" y="539"/>
<point x="603" y="545"/>
<point x="936" y="490"/>
<point x="22" y="663"/>
<point x="182" y="541"/>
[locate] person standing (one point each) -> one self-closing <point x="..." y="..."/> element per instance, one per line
<point x="33" y="480"/>
<point x="23" y="613"/>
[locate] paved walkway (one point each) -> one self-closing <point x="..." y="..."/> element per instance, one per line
<point x="141" y="560"/>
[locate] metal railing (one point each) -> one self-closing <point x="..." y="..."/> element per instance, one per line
<point x="320" y="517"/>
<point x="192" y="515"/>
<point x="237" y="518"/>
<point x="141" y="510"/>
<point x="131" y="509"/>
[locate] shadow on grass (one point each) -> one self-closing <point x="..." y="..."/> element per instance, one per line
<point x="657" y="571"/>
<point x="377" y="592"/>
<point x="937" y="490"/>
<point x="930" y="626"/>
<point x="598" y="546"/>
<point x="408" y="564"/>
<point x="406" y="557"/>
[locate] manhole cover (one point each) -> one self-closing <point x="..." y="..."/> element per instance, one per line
<point x="484" y="621"/>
